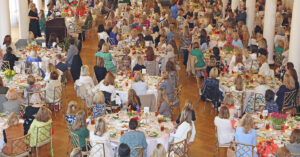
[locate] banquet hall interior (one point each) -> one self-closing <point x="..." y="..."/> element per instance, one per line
<point x="149" y="78"/>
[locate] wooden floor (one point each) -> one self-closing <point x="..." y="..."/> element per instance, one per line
<point x="204" y="145"/>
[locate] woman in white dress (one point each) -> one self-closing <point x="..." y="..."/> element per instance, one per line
<point x="238" y="65"/>
<point x="264" y="68"/>
<point x="100" y="136"/>
<point x="224" y="126"/>
<point x="139" y="85"/>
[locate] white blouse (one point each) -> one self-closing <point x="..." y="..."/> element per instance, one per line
<point x="265" y="70"/>
<point x="97" y="149"/>
<point x="224" y="130"/>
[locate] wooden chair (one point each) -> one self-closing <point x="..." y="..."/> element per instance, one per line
<point x="295" y="154"/>
<point x="256" y="96"/>
<point x="44" y="136"/>
<point x="42" y="94"/>
<point x="69" y="145"/>
<point x="218" y="145"/>
<point x="5" y="65"/>
<point x="289" y="101"/>
<point x="75" y="140"/>
<point x="57" y="91"/>
<point x="19" y="147"/>
<point x="178" y="148"/>
<point x="243" y="149"/>
<point x="176" y="100"/>
<point x="238" y="97"/>
<point x="94" y="148"/>
<point x="136" y="152"/>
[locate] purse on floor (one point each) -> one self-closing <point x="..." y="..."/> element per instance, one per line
<point x="231" y="151"/>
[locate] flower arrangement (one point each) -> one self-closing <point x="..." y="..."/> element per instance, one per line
<point x="9" y="74"/>
<point x="131" y="112"/>
<point x="277" y="119"/>
<point x="64" y="14"/>
<point x="139" y="30"/>
<point x="130" y="73"/>
<point x="74" y="4"/>
<point x="228" y="47"/>
<point x="33" y="47"/>
<point x="206" y="15"/>
<point x="195" y="5"/>
<point x="266" y="147"/>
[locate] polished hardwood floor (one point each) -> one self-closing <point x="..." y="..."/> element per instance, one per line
<point x="204" y="144"/>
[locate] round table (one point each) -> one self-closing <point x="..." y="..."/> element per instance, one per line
<point x="148" y="123"/>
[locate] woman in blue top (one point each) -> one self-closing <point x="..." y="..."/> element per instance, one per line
<point x="104" y="53"/>
<point x="139" y="137"/>
<point x="246" y="134"/>
<point x="287" y="86"/>
<point x="113" y="36"/>
<point x="33" y="57"/>
<point x="199" y="54"/>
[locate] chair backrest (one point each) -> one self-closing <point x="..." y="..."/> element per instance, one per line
<point x="178" y="148"/>
<point x="64" y="78"/>
<point x="75" y="140"/>
<point x="20" y="145"/>
<point x="257" y="98"/>
<point x="245" y="150"/>
<point x="4" y="65"/>
<point x="57" y="93"/>
<point x="41" y="93"/>
<point x="152" y="68"/>
<point x="295" y="154"/>
<point x="148" y="101"/>
<point x="238" y="97"/>
<point x="44" y="134"/>
<point x="136" y="152"/>
<point x="94" y="148"/>
<point x="289" y="99"/>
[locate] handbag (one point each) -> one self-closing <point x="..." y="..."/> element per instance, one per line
<point x="231" y="151"/>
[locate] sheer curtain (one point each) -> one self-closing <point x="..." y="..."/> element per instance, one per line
<point x="13" y="7"/>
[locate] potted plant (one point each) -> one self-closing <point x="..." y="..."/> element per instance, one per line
<point x="9" y="74"/>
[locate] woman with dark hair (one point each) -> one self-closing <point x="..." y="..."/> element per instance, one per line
<point x="11" y="58"/>
<point x="102" y="34"/>
<point x="214" y="60"/>
<point x="271" y="105"/>
<point x="34" y="25"/>
<point x="139" y="137"/>
<point x="99" y="69"/>
<point x="7" y="42"/>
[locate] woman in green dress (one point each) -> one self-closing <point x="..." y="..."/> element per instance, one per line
<point x="199" y="54"/>
<point x="42" y="22"/>
<point x="106" y="55"/>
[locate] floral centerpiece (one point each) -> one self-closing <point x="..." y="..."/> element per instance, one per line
<point x="9" y="74"/>
<point x="131" y="112"/>
<point x="139" y="30"/>
<point x="33" y="47"/>
<point x="74" y="4"/>
<point x="196" y="5"/>
<point x="64" y="14"/>
<point x="206" y="15"/>
<point x="278" y="120"/>
<point x="130" y="74"/>
<point x="228" y="47"/>
<point x="266" y="147"/>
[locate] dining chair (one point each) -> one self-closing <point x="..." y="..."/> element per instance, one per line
<point x="152" y="68"/>
<point x="42" y="94"/>
<point x="19" y="147"/>
<point x="178" y="148"/>
<point x="94" y="148"/>
<point x="175" y="107"/>
<point x="136" y="152"/>
<point x="148" y="101"/>
<point x="56" y="99"/>
<point x="69" y="145"/>
<point x="5" y="65"/>
<point x="295" y="154"/>
<point x="289" y="101"/>
<point x="257" y="98"/>
<point x="243" y="149"/>
<point x="44" y="136"/>
<point x="238" y="98"/>
<point x="218" y="145"/>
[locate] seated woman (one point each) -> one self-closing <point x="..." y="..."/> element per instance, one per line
<point x="79" y="128"/>
<point x="100" y="135"/>
<point x="54" y="89"/>
<point x="169" y="56"/>
<point x="211" y="86"/>
<point x="125" y="63"/>
<point x="166" y="83"/>
<point x="106" y="55"/>
<point x="102" y="34"/>
<point x="246" y="134"/>
<point x="224" y="129"/>
<point x="31" y="111"/>
<point x="33" y="57"/>
<point x="172" y="71"/>
<point x="32" y="87"/>
<point x="159" y="151"/>
<point x="71" y="112"/>
<point x="238" y="66"/>
<point x="43" y="117"/>
<point x="139" y="85"/>
<point x="236" y="42"/>
<point x="7" y="42"/>
<point x="271" y="105"/>
<point x="134" y="101"/>
<point x="264" y="68"/>
<point x="14" y="130"/>
<point x="139" y="64"/>
<point x="107" y="85"/>
<point x="10" y="57"/>
<point x="49" y="70"/>
<point x="163" y="103"/>
<point x="229" y="103"/>
<point x="149" y="54"/>
<point x="287" y="86"/>
<point x="12" y="104"/>
<point x="113" y="36"/>
<point x="99" y="106"/>
<point x="188" y="106"/>
<point x="99" y="69"/>
<point x="294" y="145"/>
<point x="185" y="125"/>
<point x="199" y="54"/>
<point x="138" y="136"/>
<point x="214" y="60"/>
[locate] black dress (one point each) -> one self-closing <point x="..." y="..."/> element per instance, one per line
<point x="34" y="25"/>
<point x="75" y="67"/>
<point x="29" y="116"/>
<point x="100" y="73"/>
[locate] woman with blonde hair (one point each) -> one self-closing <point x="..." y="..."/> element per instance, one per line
<point x="224" y="128"/>
<point x="134" y="101"/>
<point x="159" y="151"/>
<point x="43" y="117"/>
<point x="139" y="64"/>
<point x="264" y="68"/>
<point x="12" y="104"/>
<point x="238" y="84"/>
<point x="229" y="103"/>
<point x="99" y="104"/>
<point x="106" y="55"/>
<point x="139" y="85"/>
<point x="163" y="103"/>
<point x="14" y="130"/>
<point x="245" y="133"/>
<point x="107" y="85"/>
<point x="100" y="135"/>
<point x="99" y="69"/>
<point x="288" y="85"/>
<point x="79" y="128"/>
<point x="54" y="90"/>
<point x="71" y="112"/>
<point x="188" y="106"/>
<point x="34" y="26"/>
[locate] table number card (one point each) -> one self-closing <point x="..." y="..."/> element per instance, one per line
<point x="144" y="71"/>
<point x="43" y="44"/>
<point x="146" y="109"/>
<point x="265" y="113"/>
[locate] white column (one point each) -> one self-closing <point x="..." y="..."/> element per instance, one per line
<point x="250" y="5"/>
<point x="5" y="28"/>
<point x="46" y="7"/>
<point x="39" y="4"/>
<point x="294" y="48"/>
<point x="225" y="3"/>
<point x="23" y="19"/>
<point x="269" y="27"/>
<point x="234" y="4"/>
